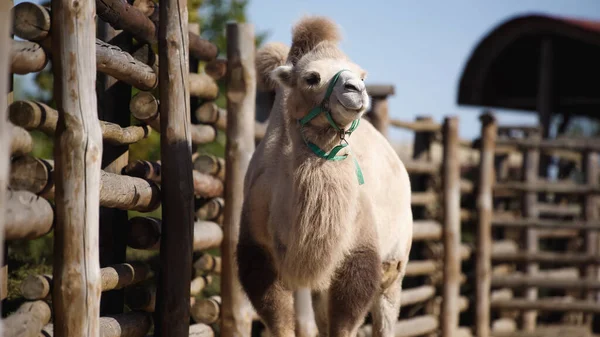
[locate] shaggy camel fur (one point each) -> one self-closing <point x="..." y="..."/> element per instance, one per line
<point x="307" y="221"/>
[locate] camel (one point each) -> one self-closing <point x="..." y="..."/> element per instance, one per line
<point x="327" y="201"/>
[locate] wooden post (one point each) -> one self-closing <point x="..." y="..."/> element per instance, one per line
<point x="379" y="114"/>
<point x="451" y="236"/>
<point x="113" y="97"/>
<point x="590" y="213"/>
<point x="5" y="138"/>
<point x="77" y="153"/>
<point x="531" y="160"/>
<point x="173" y="292"/>
<point x="306" y="325"/>
<point x="236" y="316"/>
<point x="483" y="263"/>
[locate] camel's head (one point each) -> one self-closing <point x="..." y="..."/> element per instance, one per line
<point x="318" y="73"/>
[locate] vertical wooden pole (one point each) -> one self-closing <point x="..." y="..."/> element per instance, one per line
<point x="421" y="151"/>
<point x="379" y="114"/>
<point x="451" y="234"/>
<point x="173" y="293"/>
<point x="236" y="319"/>
<point x="590" y="213"/>
<point x="77" y="158"/>
<point x="531" y="160"/>
<point x="305" y="316"/>
<point x="483" y="262"/>
<point x="5" y="78"/>
<point x="113" y="99"/>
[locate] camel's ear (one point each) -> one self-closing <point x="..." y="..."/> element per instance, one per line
<point x="283" y="75"/>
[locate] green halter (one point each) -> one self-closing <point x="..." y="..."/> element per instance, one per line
<point x="324" y="107"/>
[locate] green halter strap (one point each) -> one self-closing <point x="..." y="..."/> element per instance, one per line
<point x="324" y="108"/>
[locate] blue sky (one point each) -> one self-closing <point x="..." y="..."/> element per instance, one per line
<point x="418" y="46"/>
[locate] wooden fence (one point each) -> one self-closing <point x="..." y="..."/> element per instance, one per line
<point x="90" y="184"/>
<point x="537" y="238"/>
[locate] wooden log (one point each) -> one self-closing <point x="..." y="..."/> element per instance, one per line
<point x="590" y="213"/>
<point x="546" y="258"/>
<point x="419" y="126"/>
<point x="423" y="198"/>
<point x="207" y="310"/>
<point x="558" y="210"/>
<point x="241" y="100"/>
<point x="531" y="159"/>
<point x="421" y="167"/>
<point x="142" y="298"/>
<point x="28" y="320"/>
<point x="199" y="283"/>
<point x="306" y="326"/>
<point x="209" y="164"/>
<point x="27" y="216"/>
<point x="417" y="295"/>
<point x="148" y="7"/>
<point x="121" y="15"/>
<point x="420" y="268"/>
<point x="211" y="209"/>
<point x="38" y="287"/>
<point x="517" y="282"/>
<point x="379" y="115"/>
<point x="216" y="68"/>
<point x="483" y="260"/>
<point x="209" y="263"/>
<point x="31" y="21"/>
<point x="201" y="330"/>
<point x="410" y="327"/>
<point x="547" y="305"/>
<point x="204" y="185"/>
<point x="550" y="187"/>
<point x="116" y="191"/>
<point x="145" y="107"/>
<point x="113" y="61"/>
<point x="426" y="230"/>
<point x="78" y="154"/>
<point x="381" y="90"/>
<point x="6" y="86"/>
<point x="20" y="140"/>
<point x="572" y="144"/>
<point x="130" y="324"/>
<point x="203" y="86"/>
<point x="451" y="228"/>
<point x="38" y="116"/>
<point x="145" y="234"/>
<point x="27" y="57"/>
<point x="552" y="330"/>
<point x="210" y="113"/>
<point x="30" y="174"/>
<point x="593" y="225"/>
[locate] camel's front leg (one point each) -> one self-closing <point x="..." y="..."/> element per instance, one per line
<point x="273" y="303"/>
<point x="352" y="291"/>
<point x="386" y="307"/>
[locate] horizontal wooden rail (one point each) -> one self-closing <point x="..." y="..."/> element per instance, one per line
<point x="547" y="305"/>
<point x="145" y="234"/>
<point x="27" y="216"/>
<point x="201" y="330"/>
<point x="209" y="164"/>
<point x="28" y="320"/>
<point x="20" y="140"/>
<point x="522" y="282"/>
<point x="421" y="167"/>
<point x="573" y="144"/>
<point x="39" y="287"/>
<point x="519" y="128"/>
<point x="423" y="198"/>
<point x="549" y="187"/>
<point x="116" y="191"/>
<point x="27" y="57"/>
<point x="205" y="185"/>
<point x="426" y="230"/>
<point x="411" y="296"/>
<point x="410" y="327"/>
<point x="420" y="268"/>
<point x="144" y="107"/>
<point x="558" y="210"/>
<point x="32" y="115"/>
<point x="547" y="258"/>
<point x="207" y="310"/>
<point x="210" y="113"/>
<point x="129" y="324"/>
<point x="217" y="68"/>
<point x="203" y="86"/>
<point x="547" y="224"/>
<point x="419" y="126"/>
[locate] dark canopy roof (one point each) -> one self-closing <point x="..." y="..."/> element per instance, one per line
<point x="503" y="70"/>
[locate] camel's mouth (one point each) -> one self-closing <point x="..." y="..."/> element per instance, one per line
<point x="351" y="106"/>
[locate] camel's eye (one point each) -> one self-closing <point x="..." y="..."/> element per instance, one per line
<point x="313" y="78"/>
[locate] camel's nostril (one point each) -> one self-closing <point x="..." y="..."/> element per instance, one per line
<point x="350" y="87"/>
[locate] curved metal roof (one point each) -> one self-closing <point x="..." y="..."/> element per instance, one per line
<point x="504" y="69"/>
